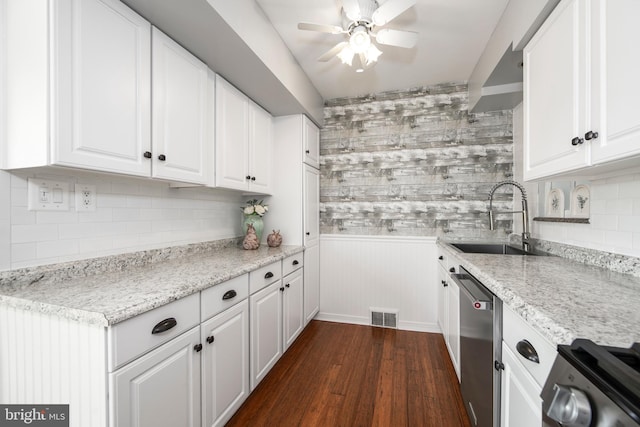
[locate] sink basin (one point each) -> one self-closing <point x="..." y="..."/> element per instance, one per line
<point x="492" y="248"/>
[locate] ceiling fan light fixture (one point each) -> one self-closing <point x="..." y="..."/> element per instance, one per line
<point x="346" y="55"/>
<point x="372" y="54"/>
<point x="360" y="40"/>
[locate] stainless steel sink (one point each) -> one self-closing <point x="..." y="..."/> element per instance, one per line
<point x="493" y="248"/>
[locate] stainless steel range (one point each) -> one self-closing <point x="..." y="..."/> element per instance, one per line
<point x="591" y="385"/>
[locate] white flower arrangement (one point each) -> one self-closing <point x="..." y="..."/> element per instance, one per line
<point x="255" y="208"/>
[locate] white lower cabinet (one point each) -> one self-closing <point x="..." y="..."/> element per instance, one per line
<point x="449" y="308"/>
<point x="311" y="282"/>
<point x="266" y="331"/>
<point x="225" y="364"/>
<point x="161" y="388"/>
<point x="521" y="404"/>
<point x="292" y="307"/>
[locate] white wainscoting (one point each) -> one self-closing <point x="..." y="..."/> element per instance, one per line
<point x="359" y="272"/>
<point x="45" y="359"/>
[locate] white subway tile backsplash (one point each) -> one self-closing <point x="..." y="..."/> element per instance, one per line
<point x="629" y="223"/>
<point x="619" y="207"/>
<point x="604" y="222"/>
<point x="619" y="239"/>
<point x="131" y="214"/>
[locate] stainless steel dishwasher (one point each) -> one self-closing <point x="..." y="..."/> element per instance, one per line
<point x="480" y="350"/>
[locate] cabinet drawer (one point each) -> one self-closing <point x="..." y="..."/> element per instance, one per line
<point x="222" y="296"/>
<point x="264" y="276"/>
<point x="133" y="337"/>
<point x="515" y="330"/>
<point x="292" y="263"/>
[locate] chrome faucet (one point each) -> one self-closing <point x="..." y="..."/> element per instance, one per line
<point x="525" y="211"/>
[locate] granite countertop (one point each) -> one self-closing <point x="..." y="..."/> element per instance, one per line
<point x="561" y="298"/>
<point x="108" y="297"/>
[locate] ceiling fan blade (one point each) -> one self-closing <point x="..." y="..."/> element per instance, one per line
<point x="390" y="10"/>
<point x="351" y="9"/>
<point x="332" y="52"/>
<point x="389" y="37"/>
<point x="322" y="28"/>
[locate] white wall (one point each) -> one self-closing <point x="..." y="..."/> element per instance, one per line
<point x="131" y="215"/>
<point x="359" y="272"/>
<point x="615" y="209"/>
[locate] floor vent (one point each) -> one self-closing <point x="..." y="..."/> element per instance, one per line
<point x="384" y="317"/>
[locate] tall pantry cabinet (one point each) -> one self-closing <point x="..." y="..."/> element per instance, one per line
<point x="294" y="206"/>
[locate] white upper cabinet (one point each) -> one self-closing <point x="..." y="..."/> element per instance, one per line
<point x="260" y="149"/>
<point x="181" y="113"/>
<point x="243" y="137"/>
<point x="311" y="140"/>
<point x="580" y="104"/>
<point x="85" y="105"/>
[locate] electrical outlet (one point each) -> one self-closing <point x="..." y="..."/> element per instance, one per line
<point x="85" y="198"/>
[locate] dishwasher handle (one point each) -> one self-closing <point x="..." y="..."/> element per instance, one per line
<point x="477" y="302"/>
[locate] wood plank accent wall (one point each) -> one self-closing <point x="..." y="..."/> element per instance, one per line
<point x="413" y="163"/>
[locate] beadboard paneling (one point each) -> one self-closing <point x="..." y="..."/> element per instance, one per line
<point x="50" y="360"/>
<point x="358" y="272"/>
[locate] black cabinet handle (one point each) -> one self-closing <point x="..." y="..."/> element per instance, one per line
<point x="162" y="157"/>
<point x="164" y="325"/>
<point x="287" y="285"/>
<point x="229" y="294"/>
<point x="527" y="351"/>
<point x="440" y="257"/>
<point x="210" y="339"/>
<point x="253" y="178"/>
<point x="452" y="270"/>
<point x="295" y="262"/>
<point x="590" y="135"/>
<point x="306" y="151"/>
<point x="269" y="275"/>
<point x="147" y="154"/>
<point x="247" y="177"/>
<point x="307" y="233"/>
<point x="444" y="283"/>
<point x="282" y="289"/>
<point x="577" y="141"/>
<point x="197" y="347"/>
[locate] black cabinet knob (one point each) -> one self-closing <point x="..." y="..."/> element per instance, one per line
<point x="307" y="233"/>
<point x="197" y="347"/>
<point x="444" y="283"/>
<point x="147" y="154"/>
<point x="306" y="151"/>
<point x="498" y="366"/>
<point x="210" y="339"/>
<point x="440" y="257"/>
<point x="577" y="141"/>
<point x="287" y="285"/>
<point x="452" y="270"/>
<point x="253" y="178"/>
<point x="282" y="289"/>
<point x="590" y="135"/>
<point x="162" y="157"/>
<point x="247" y="177"/>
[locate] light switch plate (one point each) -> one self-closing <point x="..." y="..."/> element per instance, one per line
<point x="85" y="198"/>
<point x="47" y="195"/>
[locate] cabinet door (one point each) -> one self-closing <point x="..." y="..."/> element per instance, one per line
<point x="292" y="307"/>
<point x="555" y="94"/>
<point x="180" y="120"/>
<point x="311" y="282"/>
<point x="266" y="330"/>
<point x="521" y="404"/>
<point x="101" y="77"/>
<point x="443" y="301"/>
<point x="616" y="112"/>
<point x="311" y="206"/>
<point x="225" y="364"/>
<point x="232" y="137"/>
<point x="453" y="337"/>
<point x="260" y="149"/>
<point x="160" y="389"/>
<point x="311" y="138"/>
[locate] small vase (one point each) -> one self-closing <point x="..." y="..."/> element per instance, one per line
<point x="256" y="221"/>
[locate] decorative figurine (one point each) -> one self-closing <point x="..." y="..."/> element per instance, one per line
<point x="274" y="239"/>
<point x="251" y="239"/>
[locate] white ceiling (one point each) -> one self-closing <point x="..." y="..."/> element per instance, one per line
<point x="452" y="36"/>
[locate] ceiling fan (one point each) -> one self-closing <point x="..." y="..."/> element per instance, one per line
<point x="360" y="22"/>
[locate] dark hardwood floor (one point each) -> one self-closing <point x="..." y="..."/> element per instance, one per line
<point x="349" y="375"/>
